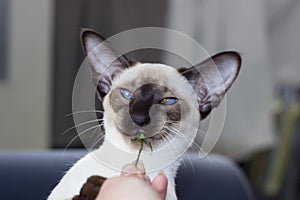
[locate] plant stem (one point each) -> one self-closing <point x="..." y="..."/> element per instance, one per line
<point x="140" y="151"/>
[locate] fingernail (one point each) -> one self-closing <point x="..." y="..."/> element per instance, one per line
<point x="140" y="165"/>
<point x="162" y="172"/>
<point x="129" y="169"/>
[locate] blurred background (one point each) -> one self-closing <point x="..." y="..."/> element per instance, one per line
<point x="40" y="53"/>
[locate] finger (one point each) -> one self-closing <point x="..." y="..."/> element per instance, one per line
<point x="160" y="184"/>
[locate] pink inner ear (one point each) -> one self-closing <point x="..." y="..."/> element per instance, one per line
<point x="212" y="78"/>
<point x="90" y="43"/>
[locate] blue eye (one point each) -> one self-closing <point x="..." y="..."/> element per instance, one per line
<point x="126" y="94"/>
<point x="168" y="101"/>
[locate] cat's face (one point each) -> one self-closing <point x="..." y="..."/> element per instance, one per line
<point x="151" y="99"/>
<point x="154" y="99"/>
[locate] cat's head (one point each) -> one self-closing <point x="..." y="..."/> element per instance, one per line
<point x="155" y="99"/>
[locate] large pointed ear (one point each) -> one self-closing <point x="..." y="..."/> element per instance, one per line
<point x="104" y="60"/>
<point x="212" y="78"/>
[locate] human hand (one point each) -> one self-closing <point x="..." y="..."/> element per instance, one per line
<point x="134" y="184"/>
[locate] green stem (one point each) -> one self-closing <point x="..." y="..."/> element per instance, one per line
<point x="140" y="151"/>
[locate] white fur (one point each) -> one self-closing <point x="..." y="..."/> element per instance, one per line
<point x="73" y="180"/>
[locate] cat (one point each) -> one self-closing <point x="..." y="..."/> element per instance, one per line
<point x="154" y="99"/>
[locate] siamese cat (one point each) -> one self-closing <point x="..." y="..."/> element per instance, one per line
<point x="154" y="99"/>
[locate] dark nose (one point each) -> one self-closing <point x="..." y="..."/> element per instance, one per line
<point x="139" y="107"/>
<point x="140" y="119"/>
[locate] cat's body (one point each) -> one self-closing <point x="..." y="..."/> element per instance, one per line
<point x="72" y="182"/>
<point x="159" y="101"/>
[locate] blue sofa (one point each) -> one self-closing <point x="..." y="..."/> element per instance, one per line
<point x="32" y="175"/>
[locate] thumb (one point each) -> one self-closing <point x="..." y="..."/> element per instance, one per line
<point x="160" y="184"/>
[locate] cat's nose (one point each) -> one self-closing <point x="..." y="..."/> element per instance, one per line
<point x="139" y="112"/>
<point x="141" y="120"/>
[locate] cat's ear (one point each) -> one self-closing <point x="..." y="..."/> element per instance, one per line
<point x="104" y="60"/>
<point x="212" y="78"/>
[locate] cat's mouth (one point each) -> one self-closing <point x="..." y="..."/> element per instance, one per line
<point x="135" y="133"/>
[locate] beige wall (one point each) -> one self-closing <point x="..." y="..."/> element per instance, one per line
<point x="24" y="97"/>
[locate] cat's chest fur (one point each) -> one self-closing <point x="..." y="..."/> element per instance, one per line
<point x="88" y="166"/>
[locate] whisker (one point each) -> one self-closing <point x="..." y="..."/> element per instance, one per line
<point x="81" y="124"/>
<point x="166" y="137"/>
<point x="181" y="123"/>
<point x="165" y="140"/>
<point x="84" y="111"/>
<point x="176" y="132"/>
<point x="97" y="140"/>
<point x="191" y="164"/>
<point x="96" y="130"/>
<point x="179" y="144"/>
<point x="184" y="137"/>
<point x="169" y="137"/>
<point x="199" y="132"/>
<point x="188" y="159"/>
<point x="77" y="136"/>
<point x="208" y="158"/>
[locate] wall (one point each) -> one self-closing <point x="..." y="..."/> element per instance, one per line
<point x="240" y="26"/>
<point x="24" y="96"/>
<point x="284" y="31"/>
